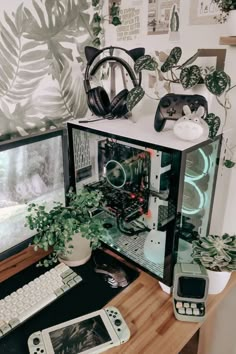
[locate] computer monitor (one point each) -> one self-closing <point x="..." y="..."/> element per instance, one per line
<point x="32" y="169"/>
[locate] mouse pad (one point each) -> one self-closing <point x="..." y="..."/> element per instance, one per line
<point x="89" y="295"/>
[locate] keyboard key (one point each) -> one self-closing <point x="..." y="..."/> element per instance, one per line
<point x="34" y="296"/>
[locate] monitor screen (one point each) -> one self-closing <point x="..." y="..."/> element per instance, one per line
<point x="191" y="287"/>
<point x="31" y="170"/>
<point x="80" y="337"/>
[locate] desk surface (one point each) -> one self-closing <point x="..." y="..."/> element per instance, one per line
<point x="146" y="309"/>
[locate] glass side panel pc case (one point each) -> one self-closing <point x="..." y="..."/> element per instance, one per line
<point x="153" y="194"/>
<point x="32" y="169"/>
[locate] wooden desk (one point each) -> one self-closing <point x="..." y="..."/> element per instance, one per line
<point x="146" y="309"/>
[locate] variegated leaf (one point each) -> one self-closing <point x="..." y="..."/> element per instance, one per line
<point x="213" y="122"/>
<point x="190" y="76"/>
<point x="217" y="82"/>
<point x="134" y="96"/>
<point x="172" y="59"/>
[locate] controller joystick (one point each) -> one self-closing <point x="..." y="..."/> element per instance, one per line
<point x="171" y="108"/>
<point x="118" y="323"/>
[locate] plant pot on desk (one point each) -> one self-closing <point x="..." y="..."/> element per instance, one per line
<point x="217" y="281"/>
<point x="79" y="254"/>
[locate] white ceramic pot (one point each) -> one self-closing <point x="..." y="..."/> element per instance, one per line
<point x="231" y="23"/>
<point x="217" y="281"/>
<point x="81" y="252"/>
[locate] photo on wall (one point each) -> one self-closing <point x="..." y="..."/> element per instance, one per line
<point x="130" y="27"/>
<point x="203" y="12"/>
<point x="163" y="17"/>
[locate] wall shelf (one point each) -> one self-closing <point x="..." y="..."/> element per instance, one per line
<point x="229" y="40"/>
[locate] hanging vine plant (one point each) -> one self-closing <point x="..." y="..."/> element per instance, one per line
<point x="98" y="20"/>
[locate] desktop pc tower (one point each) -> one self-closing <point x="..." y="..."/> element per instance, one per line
<point x="158" y="191"/>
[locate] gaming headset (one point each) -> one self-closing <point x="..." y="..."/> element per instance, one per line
<point x="98" y="100"/>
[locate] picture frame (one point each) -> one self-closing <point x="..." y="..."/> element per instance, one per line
<point x="203" y="12"/>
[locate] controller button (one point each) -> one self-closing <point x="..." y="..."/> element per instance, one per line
<point x="118" y="322"/>
<point x="36" y="341"/>
<point x="165" y="102"/>
<point x="171" y="111"/>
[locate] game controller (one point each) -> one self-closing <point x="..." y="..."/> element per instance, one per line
<point x="41" y="342"/>
<point x="118" y="323"/>
<point x="171" y="106"/>
<point x="36" y="343"/>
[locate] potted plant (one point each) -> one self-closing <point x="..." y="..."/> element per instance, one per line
<point x="70" y="231"/>
<point x="227" y="13"/>
<point x="218" y="255"/>
<point x="187" y="75"/>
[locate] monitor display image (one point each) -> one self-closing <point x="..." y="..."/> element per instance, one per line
<point x="80" y="337"/>
<point x="30" y="171"/>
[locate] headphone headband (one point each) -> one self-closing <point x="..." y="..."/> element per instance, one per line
<point x="92" y="53"/>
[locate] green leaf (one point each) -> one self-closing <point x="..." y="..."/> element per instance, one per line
<point x="134" y="96"/>
<point x="116" y="21"/>
<point x="115" y="10"/>
<point x="172" y="59"/>
<point x="217" y="82"/>
<point x="95" y="2"/>
<point x="213" y="122"/>
<point x="96" y="42"/>
<point x="97" y="30"/>
<point x="190" y="76"/>
<point x="229" y="163"/>
<point x="145" y="62"/>
<point x="96" y="18"/>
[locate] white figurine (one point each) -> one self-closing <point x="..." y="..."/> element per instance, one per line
<point x="191" y="126"/>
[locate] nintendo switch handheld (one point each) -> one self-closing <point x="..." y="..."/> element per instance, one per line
<point x="190" y="292"/>
<point x="91" y="333"/>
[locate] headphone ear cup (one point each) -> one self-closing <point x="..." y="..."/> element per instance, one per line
<point x="98" y="101"/>
<point x="118" y="107"/>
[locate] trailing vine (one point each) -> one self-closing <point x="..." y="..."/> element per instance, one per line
<point x="99" y="18"/>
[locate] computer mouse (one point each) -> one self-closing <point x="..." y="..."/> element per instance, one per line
<point x="115" y="276"/>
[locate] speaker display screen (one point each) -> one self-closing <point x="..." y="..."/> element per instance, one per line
<point x="191" y="287"/>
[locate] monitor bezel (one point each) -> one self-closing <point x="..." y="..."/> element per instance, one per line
<point x="30" y="139"/>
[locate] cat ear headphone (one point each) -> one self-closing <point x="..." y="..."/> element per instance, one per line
<point x="98" y="100"/>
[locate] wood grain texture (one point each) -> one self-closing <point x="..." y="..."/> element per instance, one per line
<point x="230" y="40"/>
<point x="145" y="307"/>
<point x="20" y="261"/>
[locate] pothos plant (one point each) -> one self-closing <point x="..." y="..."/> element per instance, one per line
<point x="56" y="228"/>
<point x="98" y="19"/>
<point x="225" y="6"/>
<point x="217" y="253"/>
<point x="188" y="75"/>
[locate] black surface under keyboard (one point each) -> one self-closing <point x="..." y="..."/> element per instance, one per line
<point x="91" y="294"/>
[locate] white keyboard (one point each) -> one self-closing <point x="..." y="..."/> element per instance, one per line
<point x="34" y="296"/>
